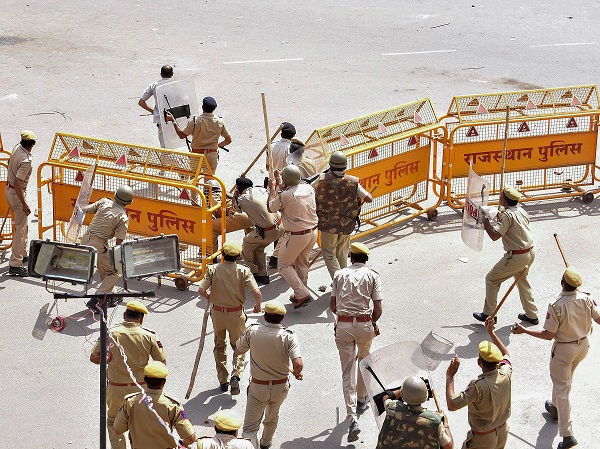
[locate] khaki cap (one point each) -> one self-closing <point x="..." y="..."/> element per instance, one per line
<point x="156" y="370"/>
<point x="275" y="307"/>
<point x="512" y="193"/>
<point x="359" y="248"/>
<point x="28" y="135"/>
<point x="136" y="306"/>
<point x="489" y="352"/>
<point x="227" y="420"/>
<point x="232" y="249"/>
<point x="572" y="277"/>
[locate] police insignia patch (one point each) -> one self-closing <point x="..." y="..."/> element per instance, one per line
<point x="159" y="344"/>
<point x="183" y="414"/>
<point x="547" y="315"/>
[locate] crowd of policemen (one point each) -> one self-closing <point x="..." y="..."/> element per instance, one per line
<point x="297" y="205"/>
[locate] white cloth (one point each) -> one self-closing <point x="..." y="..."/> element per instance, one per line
<point x="280" y="150"/>
<point x="151" y="92"/>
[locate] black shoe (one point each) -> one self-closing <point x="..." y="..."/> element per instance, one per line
<point x="91" y="304"/>
<point x="567" y="442"/>
<point x="264" y="280"/>
<point x="273" y="262"/>
<point x="480" y="316"/>
<point x="265" y="446"/>
<point x="235" y="385"/>
<point x="224" y="386"/>
<point x="524" y="317"/>
<point x="18" y="271"/>
<point x="25" y="259"/>
<point x="551" y="409"/>
<point x="353" y="431"/>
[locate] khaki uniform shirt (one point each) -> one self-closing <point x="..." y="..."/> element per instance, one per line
<point x="488" y="398"/>
<point x="354" y="288"/>
<point x="298" y="207"/>
<point x="206" y="130"/>
<point x="271" y="346"/>
<point x="19" y="166"/>
<point x="253" y="201"/>
<point x="224" y="441"/>
<point x="139" y="345"/>
<point x="228" y="282"/>
<point x="513" y="224"/>
<point x="145" y="430"/>
<point x="570" y="317"/>
<point x="110" y="219"/>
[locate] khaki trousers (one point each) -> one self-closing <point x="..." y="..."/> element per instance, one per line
<point x="20" y="228"/>
<point x="234" y="324"/>
<point x="564" y="360"/>
<point x="253" y="249"/>
<point x="263" y="401"/>
<point x="335" y="248"/>
<point x="293" y="258"/>
<point x="506" y="268"/>
<point x="353" y="340"/>
<point x="232" y="223"/>
<point x="108" y="275"/>
<point x="492" y="440"/>
<point x="114" y="399"/>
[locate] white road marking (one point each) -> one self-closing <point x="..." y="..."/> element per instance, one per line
<point x="562" y="45"/>
<point x="263" y="60"/>
<point x="417" y="52"/>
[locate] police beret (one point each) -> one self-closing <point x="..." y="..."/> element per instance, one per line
<point x="489" y="352"/>
<point x="288" y="127"/>
<point x="275" y="307"/>
<point x="156" y="370"/>
<point x="243" y="183"/>
<point x="359" y="248"/>
<point x="136" y="306"/>
<point x="512" y="193"/>
<point x="572" y="277"/>
<point x="232" y="249"/>
<point x="227" y="420"/>
<point x="28" y="135"/>
<point x="209" y="102"/>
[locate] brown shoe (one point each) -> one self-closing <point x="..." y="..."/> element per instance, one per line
<point x="302" y="302"/>
<point x="293" y="298"/>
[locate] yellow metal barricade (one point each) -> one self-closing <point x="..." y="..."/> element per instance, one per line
<point x="391" y="152"/>
<point x="170" y="193"/>
<point x="6" y="217"/>
<point x="551" y="148"/>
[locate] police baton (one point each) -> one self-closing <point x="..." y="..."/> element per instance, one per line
<point x="200" y="349"/>
<point x="561" y="251"/>
<point x="508" y="291"/>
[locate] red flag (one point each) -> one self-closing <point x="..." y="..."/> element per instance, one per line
<point x="531" y="105"/>
<point x="572" y="123"/>
<point x="381" y="128"/>
<point x="74" y="153"/>
<point x="575" y="101"/>
<point x="184" y="195"/>
<point x="122" y="160"/>
<point x="472" y="132"/>
<point x="417" y="118"/>
<point x="524" y="128"/>
<point x="482" y="109"/>
<point x="343" y="140"/>
<point x="412" y="140"/>
<point x="373" y="153"/>
<point x="79" y="177"/>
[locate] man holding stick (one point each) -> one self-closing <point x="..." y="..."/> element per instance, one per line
<point x="513" y="228"/>
<point x="568" y="322"/>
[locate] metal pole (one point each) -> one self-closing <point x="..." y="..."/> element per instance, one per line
<point x="103" y="343"/>
<point x="504" y="148"/>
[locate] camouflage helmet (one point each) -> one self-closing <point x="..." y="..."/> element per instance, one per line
<point x="124" y="195"/>
<point x="291" y="175"/>
<point x="337" y="161"/>
<point x="414" y="391"/>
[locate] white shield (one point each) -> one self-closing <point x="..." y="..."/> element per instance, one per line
<point x="83" y="199"/>
<point x="472" y="226"/>
<point x="179" y="98"/>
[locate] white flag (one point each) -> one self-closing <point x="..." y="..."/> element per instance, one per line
<point x="472" y="226"/>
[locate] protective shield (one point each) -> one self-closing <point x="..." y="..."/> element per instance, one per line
<point x="178" y="98"/>
<point x="391" y="365"/>
<point x="472" y="226"/>
<point x="83" y="199"/>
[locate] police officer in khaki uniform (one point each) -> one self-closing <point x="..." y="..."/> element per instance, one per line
<point x="227" y="424"/>
<point x="339" y="197"/>
<point x="568" y="322"/>
<point x="271" y="347"/>
<point x="513" y="228"/>
<point x="296" y="201"/>
<point x="267" y="226"/>
<point x="19" y="170"/>
<point x="488" y="397"/>
<point x="110" y="220"/>
<point x="139" y="344"/>
<point x="205" y="130"/>
<point x="145" y="430"/>
<point x="356" y="299"/>
<point x="228" y="282"/>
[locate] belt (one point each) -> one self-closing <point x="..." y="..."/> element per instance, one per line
<point x="116" y="384"/>
<point x="521" y="251"/>
<point x="306" y="231"/>
<point x="489" y="431"/>
<point x="574" y="341"/>
<point x="97" y="237"/>
<point x="269" y="228"/>
<point x="269" y="382"/>
<point x="194" y="150"/>
<point x="227" y="309"/>
<point x="348" y="319"/>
